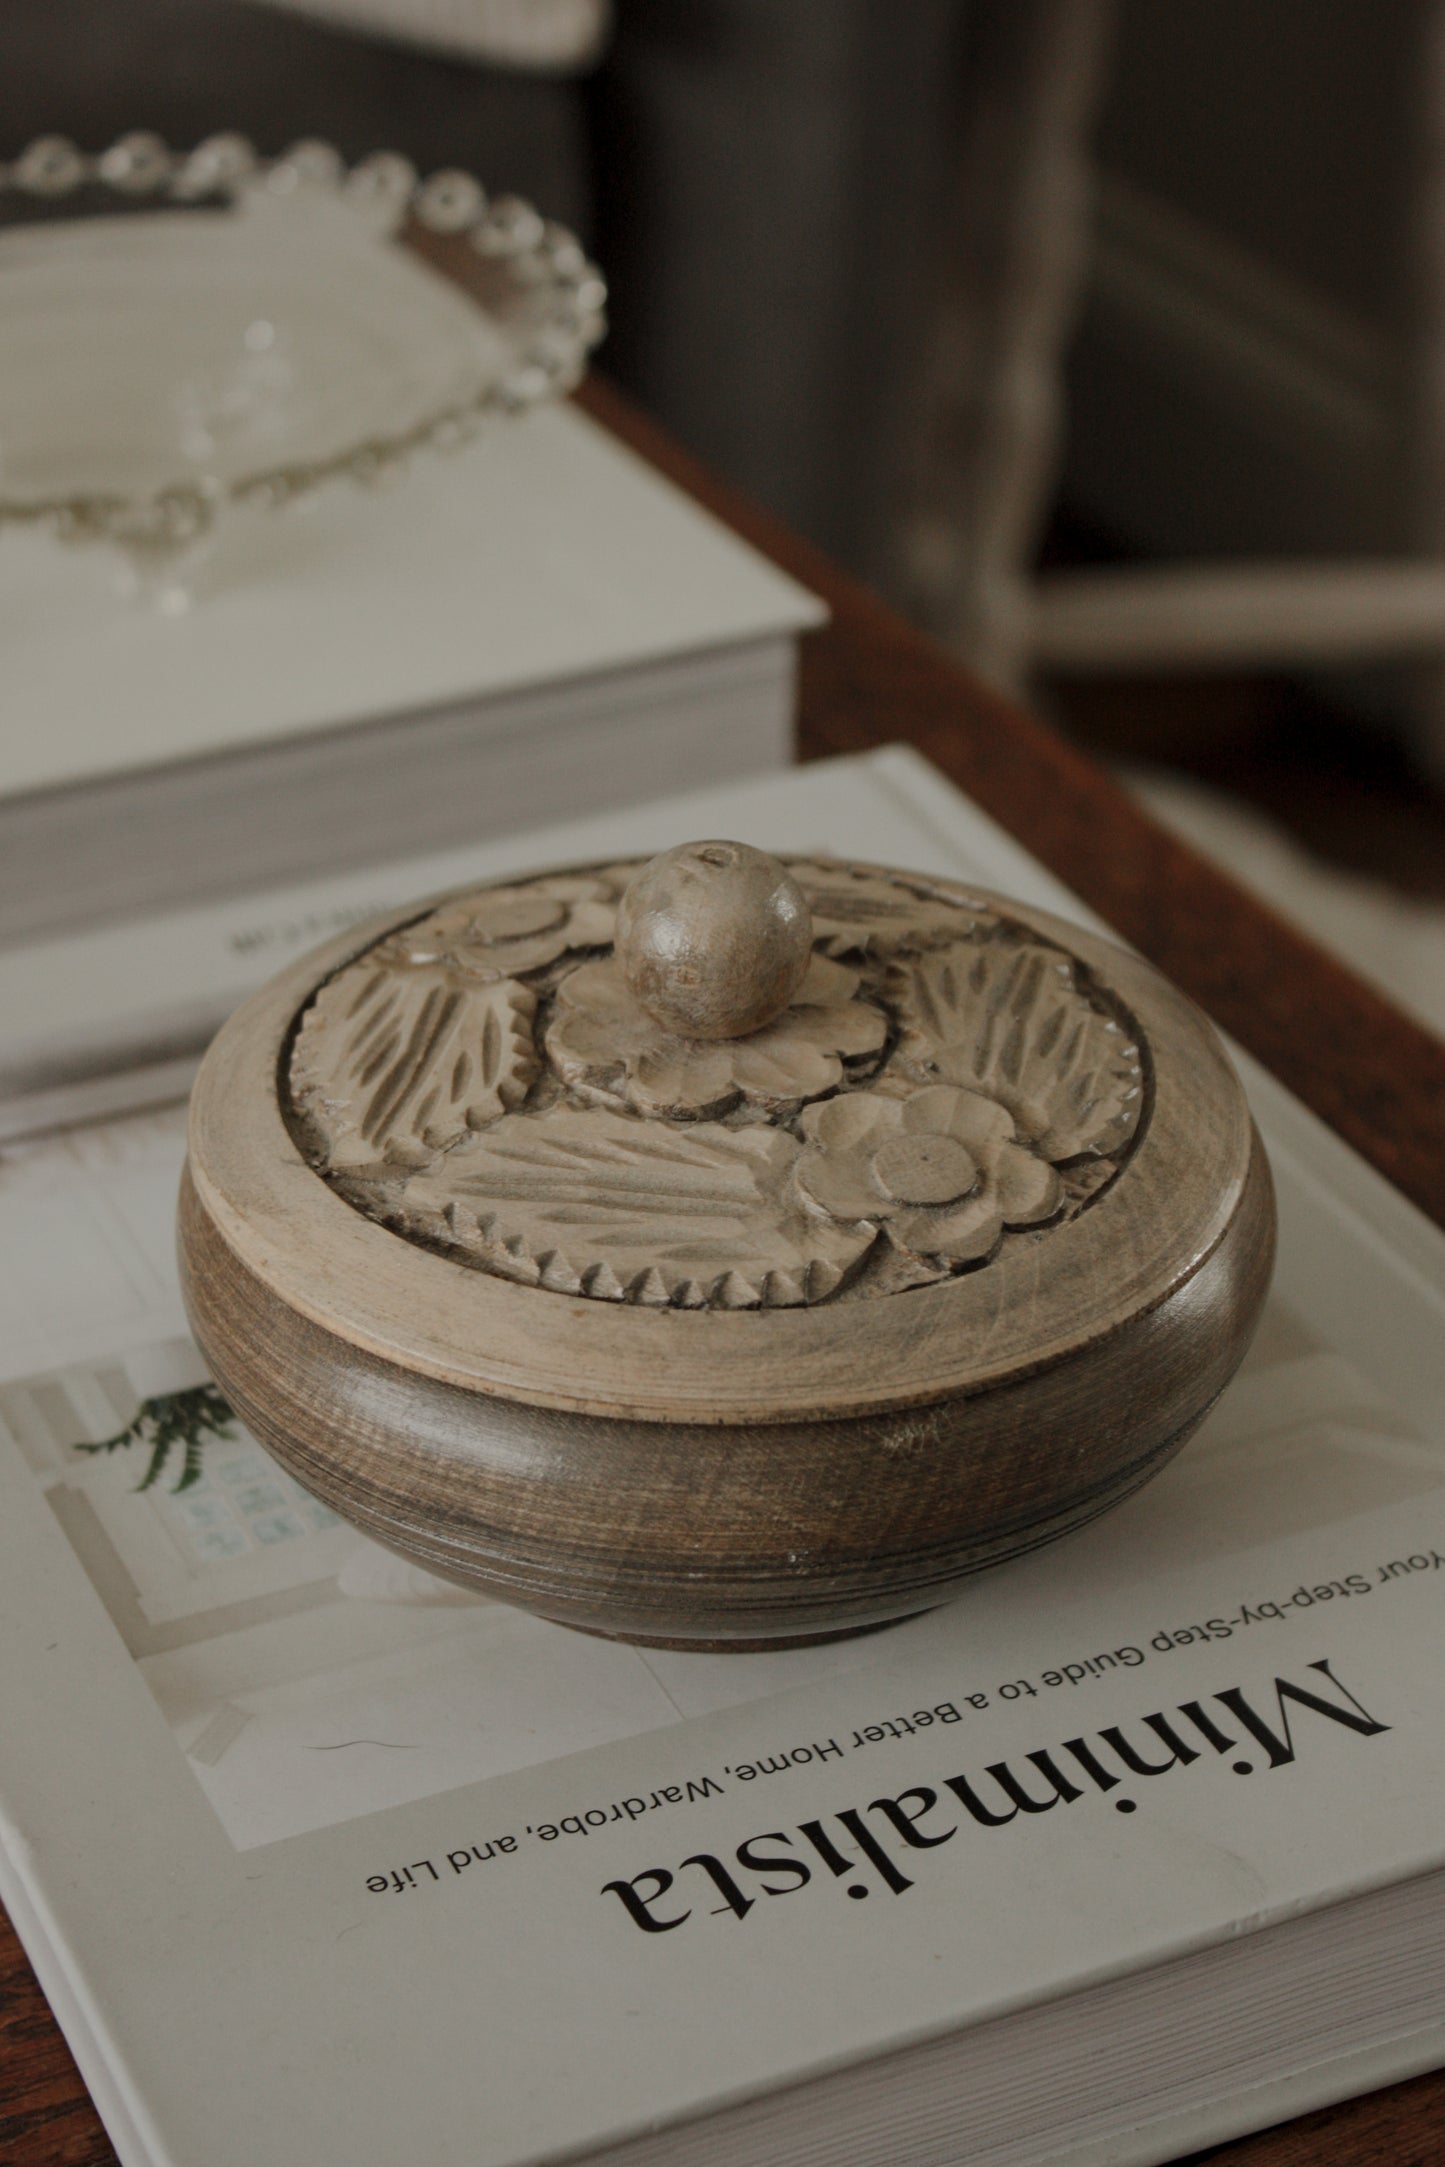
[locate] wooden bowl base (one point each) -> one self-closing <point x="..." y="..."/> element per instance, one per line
<point x="689" y="1535"/>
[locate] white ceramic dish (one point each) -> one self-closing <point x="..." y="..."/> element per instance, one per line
<point x="257" y="330"/>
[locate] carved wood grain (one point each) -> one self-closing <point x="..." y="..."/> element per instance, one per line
<point x="590" y="1202"/>
<point x="394" y="1066"/>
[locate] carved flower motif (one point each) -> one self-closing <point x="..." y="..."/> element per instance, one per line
<point x="602" y="1037"/>
<point x="942" y="1170"/>
<point x="500" y="932"/>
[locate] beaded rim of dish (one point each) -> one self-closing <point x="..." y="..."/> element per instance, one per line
<point x="541" y="256"/>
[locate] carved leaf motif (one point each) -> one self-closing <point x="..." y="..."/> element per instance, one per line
<point x="392" y="1065"/>
<point x="496" y="933"/>
<point x="596" y="1202"/>
<point x="860" y="913"/>
<point x="1011" y="1021"/>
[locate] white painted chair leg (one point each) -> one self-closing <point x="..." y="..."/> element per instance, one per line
<point x="1237" y="616"/>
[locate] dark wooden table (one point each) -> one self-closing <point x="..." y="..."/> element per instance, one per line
<point x="1375" y="1077"/>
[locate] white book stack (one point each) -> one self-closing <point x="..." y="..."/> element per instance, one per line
<point x="535" y="627"/>
<point x="320" y="1860"/>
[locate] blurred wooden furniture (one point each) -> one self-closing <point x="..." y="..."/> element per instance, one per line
<point x="1377" y="1079"/>
<point x="548" y="35"/>
<point x="1019" y="257"/>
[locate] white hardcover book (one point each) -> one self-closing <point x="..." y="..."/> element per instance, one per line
<point x="1133" y="1846"/>
<point x="534" y="627"/>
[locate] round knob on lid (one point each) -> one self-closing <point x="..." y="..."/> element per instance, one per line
<point x="714" y="938"/>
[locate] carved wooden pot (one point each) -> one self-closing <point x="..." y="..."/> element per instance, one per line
<point x="512" y="1255"/>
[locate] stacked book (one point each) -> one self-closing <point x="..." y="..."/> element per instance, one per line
<point x="1134" y="1846"/>
<point x="534" y="627"/>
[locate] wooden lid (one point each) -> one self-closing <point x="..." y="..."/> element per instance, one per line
<point x="956" y="1141"/>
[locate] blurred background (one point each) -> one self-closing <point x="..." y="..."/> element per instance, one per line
<point x="1105" y="337"/>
